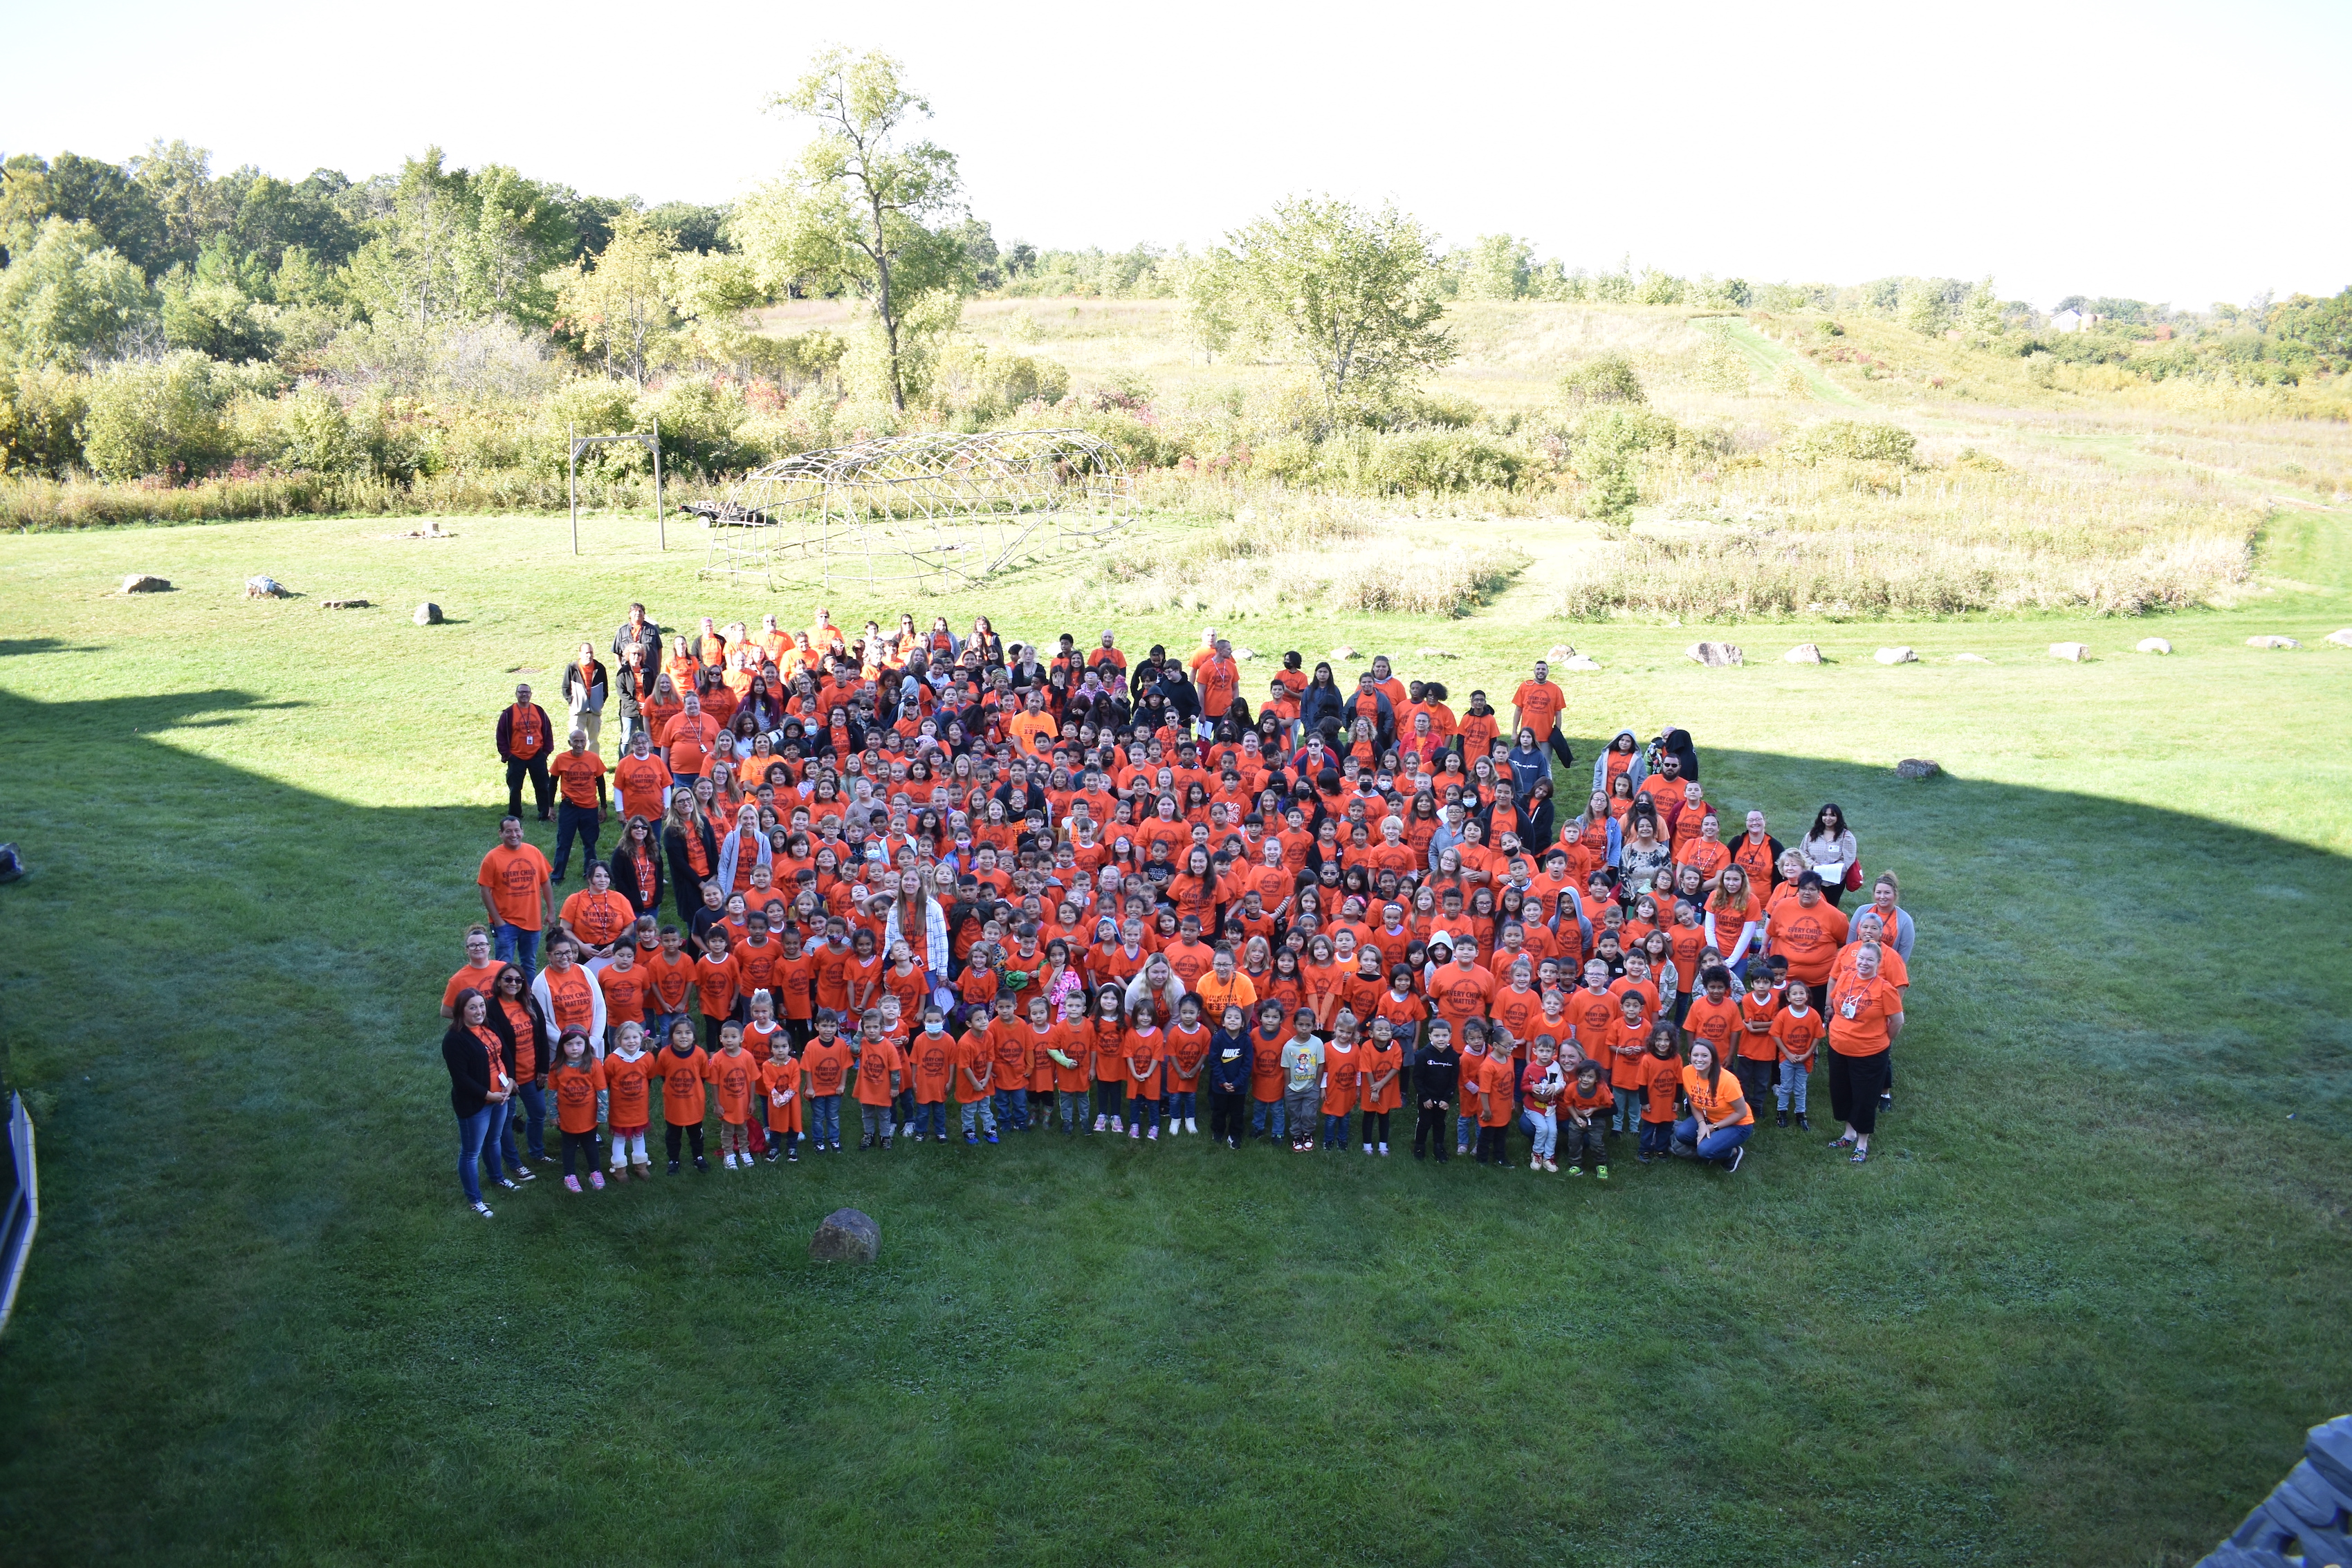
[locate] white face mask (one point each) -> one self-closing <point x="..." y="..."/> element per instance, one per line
<point x="933" y="1026"/>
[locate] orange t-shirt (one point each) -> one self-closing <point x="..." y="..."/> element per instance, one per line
<point x="627" y="1085"/>
<point x="717" y="983"/>
<point x="781" y="1077"/>
<point x="478" y="979"/>
<point x="515" y="877"/>
<point x="598" y="918"/>
<point x="975" y="1057"/>
<point x="1809" y="938"/>
<point x="1540" y="704"/>
<point x="1030" y="731"/>
<point x="1797" y="1034"/>
<point x="1858" y="1025"/>
<point x="1756" y="1020"/>
<point x="682" y="1078"/>
<point x="1713" y="1103"/>
<point x="624" y="993"/>
<point x="1461" y="994"/>
<point x="877" y="1060"/>
<point x="667" y="978"/>
<point x="733" y="1073"/>
<point x="1718" y="1023"/>
<point x="686" y="741"/>
<point x="578" y="774"/>
<point x="641" y="780"/>
<point x="1662" y="1080"/>
<point x="575" y="1094"/>
<point x="1139" y="1055"/>
<point x="828" y="1066"/>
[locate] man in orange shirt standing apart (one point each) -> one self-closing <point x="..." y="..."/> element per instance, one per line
<point x="1537" y="705"/>
<point x="516" y="894"/>
<point x="525" y="737"/>
<point x="1219" y="679"/>
<point x="580" y="774"/>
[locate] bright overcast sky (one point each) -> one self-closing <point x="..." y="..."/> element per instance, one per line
<point x="2166" y="152"/>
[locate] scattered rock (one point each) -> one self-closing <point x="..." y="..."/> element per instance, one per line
<point x="1970" y="659"/>
<point x="431" y="531"/>
<point x="343" y="604"/>
<point x="1244" y="655"/>
<point x="2153" y="645"/>
<point x="1435" y="653"/>
<point x="1915" y="768"/>
<point x="427" y="614"/>
<point x="2072" y="653"/>
<point x="2341" y="639"/>
<point x="2263" y="642"/>
<point x="1341" y="651"/>
<point x="1560" y="653"/>
<point x="848" y="1236"/>
<point x="265" y="587"/>
<point x="1715" y="656"/>
<point x="1803" y="653"/>
<point x="139" y="582"/>
<point x="1577" y="662"/>
<point x="1895" y="656"/>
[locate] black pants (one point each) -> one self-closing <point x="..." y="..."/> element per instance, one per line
<point x="1579" y="1146"/>
<point x="1855" y="1085"/>
<point x="574" y="822"/>
<point x="1429" y="1127"/>
<point x="584" y="1142"/>
<point x="1228" y="1114"/>
<point x="1494" y="1144"/>
<point x="1755" y="1081"/>
<point x="670" y="1131"/>
<point x="542" y="788"/>
<point x="1376" y="1126"/>
<point x="1110" y="1099"/>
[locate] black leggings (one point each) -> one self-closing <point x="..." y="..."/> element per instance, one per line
<point x="693" y="1135"/>
<point x="1429" y="1126"/>
<point x="1494" y="1144"/>
<point x="586" y="1144"/>
<point x="1376" y="1126"/>
<point x="1110" y="1099"/>
<point x="1227" y="1115"/>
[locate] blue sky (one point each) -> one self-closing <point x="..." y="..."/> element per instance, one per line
<point x="2166" y="152"/>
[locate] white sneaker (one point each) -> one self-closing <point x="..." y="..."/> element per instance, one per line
<point x="1117" y="1125"/>
<point x="1534" y="1162"/>
<point x="1384" y="1149"/>
<point x="1100" y="1123"/>
<point x="1191" y="1127"/>
<point x="1367" y="1149"/>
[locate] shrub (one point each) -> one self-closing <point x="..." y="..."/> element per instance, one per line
<point x="1608" y="378"/>
<point x="158" y="418"/>
<point x="41" y="414"/>
<point x="1860" y="440"/>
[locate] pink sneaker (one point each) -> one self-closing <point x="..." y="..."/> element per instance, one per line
<point x="596" y="1180"/>
<point x="1152" y="1136"/>
<point x="571" y="1184"/>
<point x="1135" y="1132"/>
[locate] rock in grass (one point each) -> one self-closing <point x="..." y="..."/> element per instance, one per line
<point x="1970" y="659"/>
<point x="2341" y="639"/>
<point x="2153" y="645"/>
<point x="1342" y="652"/>
<point x="846" y="1236"/>
<point x="427" y="614"/>
<point x="265" y="587"/>
<point x="1915" y="768"/>
<point x="2272" y="643"/>
<point x="1577" y="662"/>
<point x="1803" y="653"/>
<point x="1560" y="653"/>
<point x="1715" y="656"/>
<point x="2072" y="653"/>
<point x="343" y="604"/>
<point x="1436" y="653"/>
<point x="139" y="582"/>
<point x="1896" y="657"/>
<point x="1244" y="655"/>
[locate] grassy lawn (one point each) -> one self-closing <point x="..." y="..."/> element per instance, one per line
<point x="2080" y="1310"/>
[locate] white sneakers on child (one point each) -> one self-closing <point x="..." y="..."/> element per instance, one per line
<point x="1191" y="1127"/>
<point x="1100" y="1123"/>
<point x="1117" y="1125"/>
<point x="1384" y="1149"/>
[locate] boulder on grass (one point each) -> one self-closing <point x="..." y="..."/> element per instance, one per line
<point x="1560" y="653"/>
<point x="343" y="604"/>
<point x="1715" y="656"/>
<point x="1803" y="653"/>
<point x="846" y="1236"/>
<point x="1436" y="653"/>
<point x="2072" y="653"/>
<point x="1915" y="768"/>
<point x="2272" y="643"/>
<point x="2341" y="639"/>
<point x="427" y="614"/>
<point x="139" y="582"/>
<point x="1244" y="656"/>
<point x="1342" y="652"/>
<point x="265" y="587"/>
<point x="2153" y="645"/>
<point x="1579" y="661"/>
<point x="1896" y="657"/>
<point x="1970" y="659"/>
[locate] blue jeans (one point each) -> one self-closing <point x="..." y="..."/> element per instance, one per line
<point x="931" y="1118"/>
<point x="1794" y="1075"/>
<point x="497" y="1145"/>
<point x="1543" y="1128"/>
<point x="1717" y="1145"/>
<point x="1012" y="1107"/>
<point x="520" y="947"/>
<point x="1335" y="1132"/>
<point x="1142" y="1115"/>
<point x="978" y="1116"/>
<point x="472" y="1132"/>
<point x="1625" y="1114"/>
<point x="1657" y="1138"/>
<point x="1180" y="1107"/>
<point x="1259" y="1111"/>
<point x="1465" y="1129"/>
<point x="534" y="1119"/>
<point x="825" y="1110"/>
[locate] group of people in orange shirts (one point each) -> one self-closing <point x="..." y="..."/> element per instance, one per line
<point x="977" y="889"/>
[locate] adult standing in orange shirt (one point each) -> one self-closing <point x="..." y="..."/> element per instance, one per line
<point x="518" y="893"/>
<point x="1033" y="729"/>
<point x="1537" y="705"/>
<point x="1220" y="680"/>
<point x="579" y="775"/>
<point x="1865" y="1022"/>
<point x="525" y="738"/>
<point x="686" y="741"/>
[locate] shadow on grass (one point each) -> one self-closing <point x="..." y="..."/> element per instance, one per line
<point x="254" y="1289"/>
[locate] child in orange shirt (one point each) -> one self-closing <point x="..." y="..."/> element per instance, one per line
<point x="1139" y="1055"/>
<point x="779" y="1086"/>
<point x="828" y="1059"/>
<point x="732" y="1073"/>
<point x="575" y="1081"/>
<point x="1343" y="1066"/>
<point x="629" y="1072"/>
<point x="1625" y="1045"/>
<point x="1582" y="1125"/>
<point x="682" y="1069"/>
<point x="1188" y="1052"/>
<point x="1382" y="1075"/>
<point x="931" y="1055"/>
<point x="975" y="1081"/>
<point x="1661" y="1082"/>
<point x="1796" y="1035"/>
<point x="879" y="1069"/>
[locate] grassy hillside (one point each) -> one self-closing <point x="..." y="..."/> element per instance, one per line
<point x="2079" y="1313"/>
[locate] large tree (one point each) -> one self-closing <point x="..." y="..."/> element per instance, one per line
<point x="1350" y="294"/>
<point x="862" y="212"/>
<point x="620" y="306"/>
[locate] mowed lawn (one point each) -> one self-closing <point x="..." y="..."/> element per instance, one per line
<point x="2079" y="1311"/>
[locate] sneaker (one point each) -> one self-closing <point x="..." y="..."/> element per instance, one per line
<point x="971" y="1138"/>
<point x="1418" y="1155"/>
<point x="1117" y="1125"/>
<point x="1886" y="1104"/>
<point x="481" y="1208"/>
<point x="700" y="1164"/>
<point x="1191" y="1125"/>
<point x="1641" y="1159"/>
<point x="1152" y="1136"/>
<point x="792" y="1156"/>
<point x="673" y="1168"/>
<point x="864" y="1144"/>
<point x="1807" y="1126"/>
<point x="571" y="1184"/>
<point x="1601" y="1172"/>
<point x="1781" y="1120"/>
<point x="1576" y="1170"/>
<point x="905" y="1129"/>
<point x="728" y="1161"/>
<point x="508" y="1182"/>
<point x="1100" y="1123"/>
<point x="596" y="1180"/>
<point x="524" y="1172"/>
<point x="1384" y="1151"/>
<point x="1534" y="1162"/>
<point x="991" y="1137"/>
<point x="1133" y="1133"/>
<point x="1233" y="1143"/>
<point x="1367" y="1149"/>
<point x="1551" y="1167"/>
<point x="775" y="1153"/>
<point x="1736" y="1155"/>
<point x="885" y="1140"/>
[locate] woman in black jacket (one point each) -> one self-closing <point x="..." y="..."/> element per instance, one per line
<point x="481" y="1075"/>
<point x="639" y="852"/>
<point x="682" y="823"/>
<point x="1322" y="706"/>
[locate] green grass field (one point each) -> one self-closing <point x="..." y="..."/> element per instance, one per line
<point x="2080" y="1310"/>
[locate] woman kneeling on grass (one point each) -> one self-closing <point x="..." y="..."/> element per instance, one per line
<point x="1721" y="1121"/>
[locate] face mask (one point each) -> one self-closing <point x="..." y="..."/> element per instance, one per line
<point x="933" y="1027"/>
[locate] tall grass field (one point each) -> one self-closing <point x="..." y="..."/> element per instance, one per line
<point x="2078" y="1310"/>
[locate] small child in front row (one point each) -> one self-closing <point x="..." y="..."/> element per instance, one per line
<point x="1544" y="1085"/>
<point x="733" y="1070"/>
<point x="628" y="1085"/>
<point x="1436" y="1077"/>
<point x="1661" y="1081"/>
<point x="1584" y="1118"/>
<point x="574" y="1081"/>
<point x="780" y="1084"/>
<point x="1797" y="1031"/>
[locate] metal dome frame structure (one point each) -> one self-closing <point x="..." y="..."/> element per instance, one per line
<point x="940" y="508"/>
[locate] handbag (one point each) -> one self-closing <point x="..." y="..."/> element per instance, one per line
<point x="1853" y="876"/>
